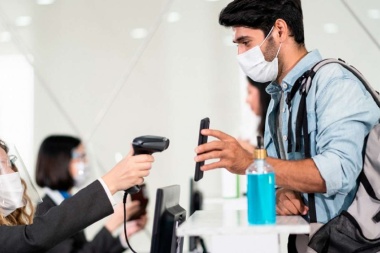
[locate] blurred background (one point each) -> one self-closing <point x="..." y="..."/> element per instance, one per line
<point x="109" y="71"/>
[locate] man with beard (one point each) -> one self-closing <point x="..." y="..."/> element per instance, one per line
<point x="270" y="39"/>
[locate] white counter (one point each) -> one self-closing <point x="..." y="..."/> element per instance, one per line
<point x="231" y="232"/>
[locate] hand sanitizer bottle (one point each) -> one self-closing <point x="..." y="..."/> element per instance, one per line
<point x="261" y="194"/>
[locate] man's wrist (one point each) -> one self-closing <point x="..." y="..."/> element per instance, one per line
<point x="248" y="162"/>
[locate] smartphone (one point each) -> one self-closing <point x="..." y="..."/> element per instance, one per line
<point x="205" y="124"/>
<point x="141" y="196"/>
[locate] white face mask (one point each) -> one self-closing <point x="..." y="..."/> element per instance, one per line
<point x="81" y="177"/>
<point x="254" y="65"/>
<point x="11" y="192"/>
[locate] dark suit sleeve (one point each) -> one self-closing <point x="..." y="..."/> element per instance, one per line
<point x="46" y="205"/>
<point x="69" y="245"/>
<point x="117" y="247"/>
<point x="74" y="214"/>
<point x="103" y="242"/>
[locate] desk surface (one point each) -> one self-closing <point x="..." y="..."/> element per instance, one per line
<point x="235" y="222"/>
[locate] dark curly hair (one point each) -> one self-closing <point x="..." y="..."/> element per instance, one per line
<point x="262" y="14"/>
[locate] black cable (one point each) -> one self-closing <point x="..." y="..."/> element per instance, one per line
<point x="361" y="24"/>
<point x="203" y="245"/>
<point x="125" y="221"/>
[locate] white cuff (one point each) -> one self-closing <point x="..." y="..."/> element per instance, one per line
<point x="123" y="241"/>
<point x="110" y="197"/>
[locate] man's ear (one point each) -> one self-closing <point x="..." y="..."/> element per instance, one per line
<point x="281" y="29"/>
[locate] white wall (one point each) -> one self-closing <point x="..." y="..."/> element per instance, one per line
<point x="184" y="74"/>
<point x="16" y="105"/>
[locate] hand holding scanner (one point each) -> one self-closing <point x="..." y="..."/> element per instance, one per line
<point x="147" y="144"/>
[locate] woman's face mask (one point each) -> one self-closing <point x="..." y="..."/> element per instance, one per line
<point x="11" y="193"/>
<point x="80" y="177"/>
<point x="254" y="65"/>
<point x="16" y="187"/>
<point x="80" y="167"/>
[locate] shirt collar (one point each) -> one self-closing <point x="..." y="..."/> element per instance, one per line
<point x="55" y="195"/>
<point x="306" y="63"/>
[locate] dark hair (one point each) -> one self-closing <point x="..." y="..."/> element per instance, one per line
<point x="262" y="14"/>
<point x="264" y="102"/>
<point x="54" y="156"/>
<point x="4" y="146"/>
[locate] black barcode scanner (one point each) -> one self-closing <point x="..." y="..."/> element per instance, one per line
<point x="147" y="144"/>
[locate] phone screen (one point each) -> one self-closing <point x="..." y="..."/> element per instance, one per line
<point x="205" y="124"/>
<point x="143" y="197"/>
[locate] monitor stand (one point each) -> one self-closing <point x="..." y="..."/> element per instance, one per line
<point x="199" y="241"/>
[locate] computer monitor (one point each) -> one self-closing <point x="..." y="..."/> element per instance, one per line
<point x="196" y="197"/>
<point x="168" y="215"/>
<point x="196" y="202"/>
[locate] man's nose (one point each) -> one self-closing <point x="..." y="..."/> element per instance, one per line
<point x="240" y="50"/>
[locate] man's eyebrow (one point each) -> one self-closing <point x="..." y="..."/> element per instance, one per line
<point x="240" y="39"/>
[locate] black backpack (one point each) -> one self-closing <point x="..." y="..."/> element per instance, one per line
<point x="358" y="228"/>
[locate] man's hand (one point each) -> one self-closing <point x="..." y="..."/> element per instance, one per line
<point x="289" y="202"/>
<point x="227" y="149"/>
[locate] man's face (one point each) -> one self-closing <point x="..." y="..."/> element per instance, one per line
<point x="247" y="38"/>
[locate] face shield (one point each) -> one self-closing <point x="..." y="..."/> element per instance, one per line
<point x="16" y="187"/>
<point x="82" y="167"/>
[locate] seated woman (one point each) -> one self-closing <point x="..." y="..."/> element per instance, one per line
<point x="61" y="165"/>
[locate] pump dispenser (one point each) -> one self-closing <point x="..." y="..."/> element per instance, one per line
<point x="261" y="194"/>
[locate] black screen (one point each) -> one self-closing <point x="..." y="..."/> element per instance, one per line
<point x="196" y="201"/>
<point x="168" y="215"/>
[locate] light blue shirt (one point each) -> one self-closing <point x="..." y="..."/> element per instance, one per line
<point x="340" y="113"/>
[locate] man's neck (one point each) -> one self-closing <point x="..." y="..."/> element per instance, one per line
<point x="292" y="57"/>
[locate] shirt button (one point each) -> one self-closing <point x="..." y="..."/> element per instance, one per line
<point x="284" y="137"/>
<point x="284" y="86"/>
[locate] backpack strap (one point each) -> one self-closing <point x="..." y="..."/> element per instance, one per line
<point x="363" y="179"/>
<point x="369" y="189"/>
<point x="303" y="84"/>
<point x="299" y="84"/>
